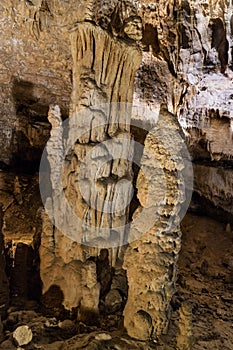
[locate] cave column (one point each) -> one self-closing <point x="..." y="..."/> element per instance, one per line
<point x="155" y="236"/>
<point x="96" y="173"/>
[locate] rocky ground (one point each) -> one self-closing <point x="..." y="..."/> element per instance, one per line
<point x="206" y="280"/>
<point x="202" y="316"/>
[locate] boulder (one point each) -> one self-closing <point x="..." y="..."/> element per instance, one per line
<point x="22" y="335"/>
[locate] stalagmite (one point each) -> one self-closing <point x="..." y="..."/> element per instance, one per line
<point x="92" y="167"/>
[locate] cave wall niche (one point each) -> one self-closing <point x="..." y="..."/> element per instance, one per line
<point x="33" y="129"/>
<point x="219" y="41"/>
<point x="150" y="39"/>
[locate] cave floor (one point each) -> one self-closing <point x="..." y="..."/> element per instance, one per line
<point x="205" y="282"/>
<point x="205" y="279"/>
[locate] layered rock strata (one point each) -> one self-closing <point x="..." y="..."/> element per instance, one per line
<point x="205" y="111"/>
<point x="189" y="55"/>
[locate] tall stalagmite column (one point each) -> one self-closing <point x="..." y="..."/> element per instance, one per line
<point x="96" y="174"/>
<point x="155" y="237"/>
<point x="90" y="157"/>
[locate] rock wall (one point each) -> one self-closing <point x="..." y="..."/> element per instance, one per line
<point x="188" y="53"/>
<point x="35" y="71"/>
<point x="78" y="59"/>
<point x="205" y="111"/>
<point x="215" y="184"/>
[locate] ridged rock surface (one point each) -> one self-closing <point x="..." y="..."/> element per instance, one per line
<point x="206" y="107"/>
<point x="63" y="59"/>
<point x="104" y="67"/>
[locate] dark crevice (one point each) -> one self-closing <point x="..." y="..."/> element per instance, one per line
<point x="186" y="8"/>
<point x="139" y="135"/>
<point x="220" y="42"/>
<point x="104" y="272"/>
<point x="22" y="216"/>
<point x="231" y="24"/>
<point x="199" y="202"/>
<point x="33" y="130"/>
<point x="150" y="39"/>
<point x="226" y="164"/>
<point x="184" y="39"/>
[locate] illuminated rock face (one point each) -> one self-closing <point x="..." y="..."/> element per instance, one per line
<point x="66" y="60"/>
<point x="206" y="110"/>
<point x="189" y="56"/>
<point x="104" y="68"/>
<point x="103" y="74"/>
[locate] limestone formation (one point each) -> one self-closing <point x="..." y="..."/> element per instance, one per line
<point x="94" y="86"/>
<point x="183" y="43"/>
<point x="91" y="79"/>
<point x="211" y="183"/>
<point x="205" y="111"/>
<point x="185" y="336"/>
<point x="4" y="285"/>
<point x="190" y="57"/>
<point x="90" y="167"/>
<point x="89" y="308"/>
<point x="150" y="261"/>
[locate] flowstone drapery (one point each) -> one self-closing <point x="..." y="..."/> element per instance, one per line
<point x="99" y="195"/>
<point x="91" y="156"/>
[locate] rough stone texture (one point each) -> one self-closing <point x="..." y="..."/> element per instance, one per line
<point x="94" y="84"/>
<point x="215" y="183"/>
<point x="202" y="302"/>
<point x="184" y="338"/>
<point x="206" y="291"/>
<point x="103" y="73"/>
<point x="205" y="109"/>
<point x="29" y="80"/>
<point x="92" y="341"/>
<point x="150" y="260"/>
<point x="186" y="65"/>
<point x="4" y="285"/>
<point x="22" y="335"/>
<point x="189" y="46"/>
